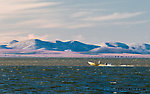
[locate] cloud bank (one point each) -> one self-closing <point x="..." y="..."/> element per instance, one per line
<point x="54" y="19"/>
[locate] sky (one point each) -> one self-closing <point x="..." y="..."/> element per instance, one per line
<point x="88" y="21"/>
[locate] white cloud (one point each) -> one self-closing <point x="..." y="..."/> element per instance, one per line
<point x="76" y="26"/>
<point x="131" y="22"/>
<point x="39" y="23"/>
<point x="80" y="14"/>
<point x="48" y="23"/>
<point x="8" y="36"/>
<point x="19" y="35"/>
<point x="29" y="36"/>
<point x="52" y="25"/>
<point x="32" y="36"/>
<point x="113" y="16"/>
<point x="78" y="37"/>
<point x="7" y="7"/>
<point x="12" y="33"/>
<point x="26" y="14"/>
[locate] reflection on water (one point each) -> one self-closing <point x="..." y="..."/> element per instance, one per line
<point x="74" y="80"/>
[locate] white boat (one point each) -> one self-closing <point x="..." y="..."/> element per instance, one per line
<point x="98" y="64"/>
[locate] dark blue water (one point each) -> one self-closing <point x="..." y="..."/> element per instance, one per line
<point x="74" y="80"/>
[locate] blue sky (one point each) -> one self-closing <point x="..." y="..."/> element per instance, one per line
<point x="89" y="21"/>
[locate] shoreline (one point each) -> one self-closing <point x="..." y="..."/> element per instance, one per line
<point x="76" y="55"/>
<point x="51" y="61"/>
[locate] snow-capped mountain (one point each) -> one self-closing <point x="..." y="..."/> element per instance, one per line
<point x="35" y="44"/>
<point x="117" y="44"/>
<point x="76" y="46"/>
<point x="119" y="47"/>
<point x="13" y="41"/>
<point x="31" y="44"/>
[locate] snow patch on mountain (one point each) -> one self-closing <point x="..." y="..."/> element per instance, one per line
<point x="27" y="44"/>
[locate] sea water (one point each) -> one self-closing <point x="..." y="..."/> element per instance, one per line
<point x="74" y="80"/>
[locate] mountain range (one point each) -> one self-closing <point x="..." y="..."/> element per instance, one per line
<point x="77" y="46"/>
